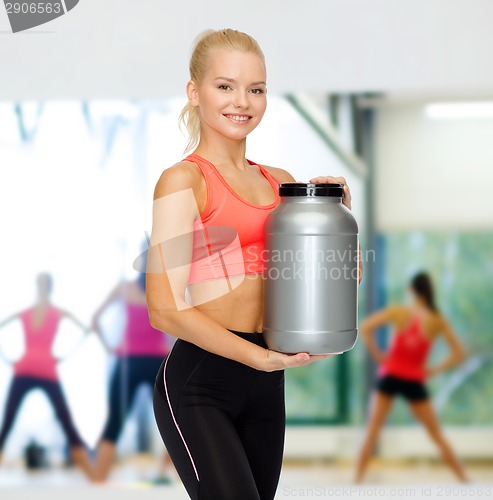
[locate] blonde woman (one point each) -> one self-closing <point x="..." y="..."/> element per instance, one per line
<point x="219" y="396"/>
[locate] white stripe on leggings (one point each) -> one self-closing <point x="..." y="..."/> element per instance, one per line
<point x="174" y="419"/>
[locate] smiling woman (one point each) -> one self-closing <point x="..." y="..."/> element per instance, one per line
<point x="219" y="395"/>
<point x="206" y="72"/>
<point x="239" y="97"/>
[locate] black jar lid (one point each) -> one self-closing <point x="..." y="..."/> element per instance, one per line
<point x="310" y="189"/>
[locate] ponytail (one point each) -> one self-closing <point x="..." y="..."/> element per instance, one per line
<point x="422" y="286"/>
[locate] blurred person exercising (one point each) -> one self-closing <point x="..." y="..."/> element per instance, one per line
<point x="402" y="369"/>
<point x="219" y="396"/>
<point x="139" y="357"/>
<point x="36" y="369"/>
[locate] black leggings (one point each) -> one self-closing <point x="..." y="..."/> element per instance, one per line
<point x="222" y="423"/>
<point x="19" y="387"/>
<point x="129" y="373"/>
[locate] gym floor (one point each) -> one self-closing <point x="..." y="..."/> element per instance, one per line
<point x="135" y="479"/>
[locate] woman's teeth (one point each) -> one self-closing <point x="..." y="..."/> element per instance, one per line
<point x="238" y="118"/>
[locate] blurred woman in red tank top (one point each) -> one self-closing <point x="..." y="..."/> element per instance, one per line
<point x="403" y="371"/>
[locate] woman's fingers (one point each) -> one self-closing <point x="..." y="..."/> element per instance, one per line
<point x="307" y="360"/>
<point x="279" y="361"/>
<point x="347" y="196"/>
<point x="318" y="357"/>
<point x="304" y="359"/>
<point x="330" y="179"/>
<point x="336" y="180"/>
<point x="297" y="359"/>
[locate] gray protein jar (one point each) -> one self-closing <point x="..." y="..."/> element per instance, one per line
<point x="311" y="273"/>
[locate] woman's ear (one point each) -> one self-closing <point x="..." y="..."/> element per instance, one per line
<point x="192" y="93"/>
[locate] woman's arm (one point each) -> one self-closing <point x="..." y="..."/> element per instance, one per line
<point x="369" y="326"/>
<point x="70" y="316"/>
<point x="174" y="211"/>
<point x="7" y="320"/>
<point x="458" y="352"/>
<point x="115" y="294"/>
<point x="86" y="329"/>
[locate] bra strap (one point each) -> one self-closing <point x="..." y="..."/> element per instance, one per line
<point x="203" y="165"/>
<point x="273" y="181"/>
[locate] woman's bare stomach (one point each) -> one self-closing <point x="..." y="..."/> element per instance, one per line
<point x="236" y="303"/>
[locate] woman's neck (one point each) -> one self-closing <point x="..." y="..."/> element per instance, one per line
<point x="42" y="302"/>
<point x="420" y="306"/>
<point x="223" y="151"/>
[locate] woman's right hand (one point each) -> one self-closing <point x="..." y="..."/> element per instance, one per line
<point x="274" y="360"/>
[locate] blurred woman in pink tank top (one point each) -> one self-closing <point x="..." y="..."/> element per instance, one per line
<point x="139" y="356"/>
<point x="36" y="369"/>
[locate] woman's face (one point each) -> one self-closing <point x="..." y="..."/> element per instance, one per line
<point x="232" y="96"/>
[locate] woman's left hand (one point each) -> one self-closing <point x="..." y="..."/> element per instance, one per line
<point x="336" y="180"/>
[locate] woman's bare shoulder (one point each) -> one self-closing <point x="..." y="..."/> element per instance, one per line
<point x="400" y="312"/>
<point x="279" y="174"/>
<point x="181" y="175"/>
<point x="440" y="320"/>
<point x="397" y="308"/>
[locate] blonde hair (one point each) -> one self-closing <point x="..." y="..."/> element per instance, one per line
<point x="203" y="45"/>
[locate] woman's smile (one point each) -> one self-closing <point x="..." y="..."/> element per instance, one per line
<point x="238" y="119"/>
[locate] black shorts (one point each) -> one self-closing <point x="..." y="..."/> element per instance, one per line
<point x="409" y="389"/>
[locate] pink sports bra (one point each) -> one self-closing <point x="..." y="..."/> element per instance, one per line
<point x="229" y="234"/>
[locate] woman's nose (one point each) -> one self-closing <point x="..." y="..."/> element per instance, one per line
<point x="241" y="100"/>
